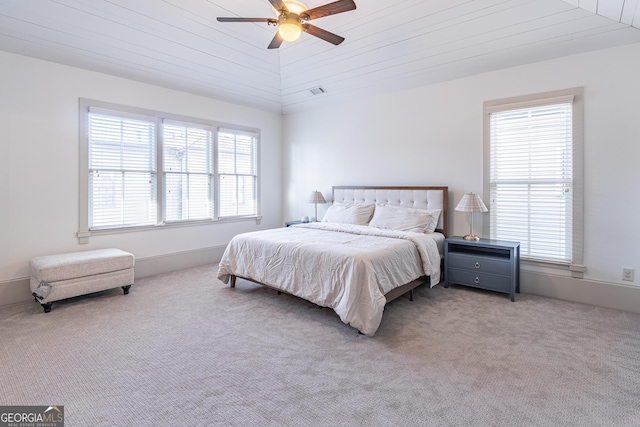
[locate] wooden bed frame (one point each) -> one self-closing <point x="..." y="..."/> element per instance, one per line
<point x="397" y="196"/>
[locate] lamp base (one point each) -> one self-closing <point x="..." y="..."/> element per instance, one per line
<point x="471" y="237"/>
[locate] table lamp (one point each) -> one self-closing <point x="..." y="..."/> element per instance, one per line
<point x="315" y="198"/>
<point x="471" y="203"/>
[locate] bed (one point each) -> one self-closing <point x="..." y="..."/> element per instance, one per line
<point x="349" y="262"/>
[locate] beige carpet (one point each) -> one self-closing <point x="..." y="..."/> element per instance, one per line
<point x="183" y="350"/>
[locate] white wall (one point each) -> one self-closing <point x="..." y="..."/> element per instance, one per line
<point x="39" y="162"/>
<point x="433" y="136"/>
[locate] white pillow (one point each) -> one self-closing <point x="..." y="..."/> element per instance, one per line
<point x="405" y="219"/>
<point x="435" y="217"/>
<point x="350" y="213"/>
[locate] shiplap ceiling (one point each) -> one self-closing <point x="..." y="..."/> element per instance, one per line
<point x="390" y="44"/>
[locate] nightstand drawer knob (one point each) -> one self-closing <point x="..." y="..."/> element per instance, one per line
<point x="476" y="280"/>
<point x="477" y="265"/>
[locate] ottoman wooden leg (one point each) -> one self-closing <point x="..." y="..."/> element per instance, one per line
<point x="47" y="307"/>
<point x="125" y="289"/>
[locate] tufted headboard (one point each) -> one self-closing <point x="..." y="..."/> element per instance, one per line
<point x="411" y="197"/>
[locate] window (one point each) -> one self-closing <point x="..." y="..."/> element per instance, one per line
<point x="146" y="169"/>
<point x="535" y="175"/>
<point x="188" y="172"/>
<point x="122" y="171"/>
<point x="237" y="171"/>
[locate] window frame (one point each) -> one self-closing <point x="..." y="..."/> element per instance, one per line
<point x="84" y="232"/>
<point x="576" y="267"/>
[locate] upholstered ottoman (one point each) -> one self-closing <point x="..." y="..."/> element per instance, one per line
<point x="61" y="276"/>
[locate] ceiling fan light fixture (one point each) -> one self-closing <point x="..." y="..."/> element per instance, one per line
<point x="290" y="28"/>
<point x="292" y="19"/>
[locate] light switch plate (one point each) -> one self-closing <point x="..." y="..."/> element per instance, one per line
<point x="627" y="274"/>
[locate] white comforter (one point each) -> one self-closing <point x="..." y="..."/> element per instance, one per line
<point x="346" y="267"/>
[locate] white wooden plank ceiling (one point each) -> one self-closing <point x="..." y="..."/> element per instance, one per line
<point x="390" y="44"/>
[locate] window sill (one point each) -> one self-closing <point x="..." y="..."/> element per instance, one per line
<point x="83" y="236"/>
<point x="569" y="270"/>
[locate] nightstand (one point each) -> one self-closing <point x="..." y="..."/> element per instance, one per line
<point x="486" y="264"/>
<point x="288" y="223"/>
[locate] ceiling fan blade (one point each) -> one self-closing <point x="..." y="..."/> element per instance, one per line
<point x="248" y="20"/>
<point x="328" y="9"/>
<point x="278" y="5"/>
<point x="276" y="42"/>
<point x="323" y="34"/>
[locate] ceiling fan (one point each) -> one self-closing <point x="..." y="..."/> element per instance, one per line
<point x="291" y="20"/>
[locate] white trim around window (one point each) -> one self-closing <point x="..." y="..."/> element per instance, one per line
<point x="513" y="124"/>
<point x="143" y="169"/>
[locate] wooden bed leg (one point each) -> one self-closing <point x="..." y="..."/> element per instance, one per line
<point x="411" y="295"/>
<point x="279" y="293"/>
<point x="232" y="283"/>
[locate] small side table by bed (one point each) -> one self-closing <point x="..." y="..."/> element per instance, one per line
<point x="486" y="264"/>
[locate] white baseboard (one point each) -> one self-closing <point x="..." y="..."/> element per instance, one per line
<point x="592" y="292"/>
<point x="178" y="261"/>
<point x="18" y="290"/>
<point x="12" y="291"/>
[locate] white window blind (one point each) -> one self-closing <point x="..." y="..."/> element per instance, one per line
<point x="188" y="172"/>
<point x="237" y="173"/>
<point x="122" y="171"/>
<point x="532" y="179"/>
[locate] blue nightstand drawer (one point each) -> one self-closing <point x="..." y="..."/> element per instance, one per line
<point x="479" y="280"/>
<point x="479" y="263"/>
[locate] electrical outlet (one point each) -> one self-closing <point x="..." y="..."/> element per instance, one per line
<point x="627" y="274"/>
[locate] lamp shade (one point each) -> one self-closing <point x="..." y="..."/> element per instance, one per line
<point x="289" y="25"/>
<point x="471" y="203"/>
<point x="316" y="197"/>
<point x="290" y="29"/>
